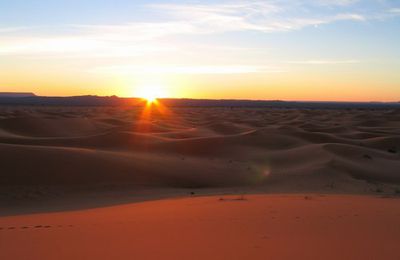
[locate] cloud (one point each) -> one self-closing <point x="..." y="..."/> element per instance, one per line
<point x="250" y="16"/>
<point x="142" y="38"/>
<point x="135" y="32"/>
<point x="192" y="70"/>
<point x="77" y="47"/>
<point x="324" y="62"/>
<point x="12" y="29"/>
<point x="394" y="10"/>
<point x="337" y="2"/>
<point x="349" y="17"/>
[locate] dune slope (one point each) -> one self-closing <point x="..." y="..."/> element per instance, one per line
<point x="229" y="227"/>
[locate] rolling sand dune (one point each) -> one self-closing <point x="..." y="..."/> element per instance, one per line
<point x="201" y="147"/>
<point x="74" y="158"/>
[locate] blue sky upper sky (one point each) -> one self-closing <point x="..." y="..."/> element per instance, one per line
<point x="276" y="49"/>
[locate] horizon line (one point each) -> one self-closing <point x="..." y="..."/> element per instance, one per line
<point x="187" y="98"/>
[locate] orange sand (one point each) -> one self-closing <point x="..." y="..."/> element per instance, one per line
<point x="259" y="227"/>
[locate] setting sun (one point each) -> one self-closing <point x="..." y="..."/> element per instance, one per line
<point x="151" y="92"/>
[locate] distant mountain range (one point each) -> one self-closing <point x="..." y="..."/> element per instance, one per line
<point x="30" y="99"/>
<point x="16" y="94"/>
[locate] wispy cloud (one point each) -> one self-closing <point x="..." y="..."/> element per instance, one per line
<point x="350" y="17"/>
<point x="139" y="38"/>
<point x="249" y="15"/>
<point x="394" y="10"/>
<point x="134" y="32"/>
<point x="323" y="62"/>
<point x="337" y="2"/>
<point x="77" y="46"/>
<point x="174" y="69"/>
<point x="11" y="29"/>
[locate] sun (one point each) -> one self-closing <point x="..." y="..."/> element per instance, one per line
<point x="151" y="92"/>
<point x="150" y="97"/>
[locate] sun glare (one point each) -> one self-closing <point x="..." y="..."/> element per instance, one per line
<point x="151" y="92"/>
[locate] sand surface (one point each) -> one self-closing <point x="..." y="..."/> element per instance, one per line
<point x="277" y="150"/>
<point x="80" y="168"/>
<point x="228" y="227"/>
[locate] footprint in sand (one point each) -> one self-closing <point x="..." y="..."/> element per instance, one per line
<point x="35" y="227"/>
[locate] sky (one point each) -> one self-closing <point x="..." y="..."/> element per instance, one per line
<point x="344" y="50"/>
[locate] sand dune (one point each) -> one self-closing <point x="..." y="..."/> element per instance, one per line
<point x="89" y="159"/>
<point x="225" y="227"/>
<point x="202" y="147"/>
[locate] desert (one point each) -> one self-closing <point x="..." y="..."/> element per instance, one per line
<point x="130" y="178"/>
<point x="207" y="130"/>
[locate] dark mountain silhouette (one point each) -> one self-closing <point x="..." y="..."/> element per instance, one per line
<point x="16" y="94"/>
<point x="29" y="99"/>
